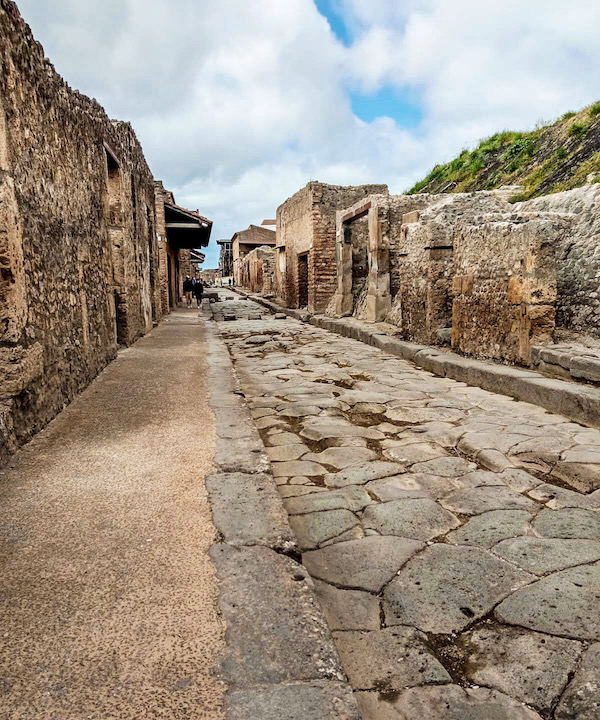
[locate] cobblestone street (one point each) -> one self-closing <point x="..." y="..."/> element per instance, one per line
<point x="452" y="534"/>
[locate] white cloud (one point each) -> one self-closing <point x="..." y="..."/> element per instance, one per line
<point x="238" y="104"/>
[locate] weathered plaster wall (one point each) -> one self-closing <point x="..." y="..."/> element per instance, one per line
<point x="77" y="246"/>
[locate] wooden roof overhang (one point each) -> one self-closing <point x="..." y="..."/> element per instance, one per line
<point x="186" y="229"/>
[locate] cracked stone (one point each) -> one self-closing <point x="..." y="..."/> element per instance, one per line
<point x="568" y="523"/>
<point x="446" y="587"/>
<point x="350" y="498"/>
<point x="348" y="609"/>
<point x="543" y="555"/>
<point x="473" y="501"/>
<point x="284" y="438"/>
<point x="315" y="528"/>
<point x="556" y="498"/>
<point x="447" y="702"/>
<point x="387" y="660"/>
<point x="581" y="700"/>
<point x="284" y="453"/>
<point x="490" y="528"/>
<point x="329" y="429"/>
<point x="361" y="474"/>
<point x="565" y="604"/>
<point x="397" y="487"/>
<point x="445" y="467"/>
<point x="419" y="519"/>
<point x="342" y="457"/>
<point x="414" y="453"/>
<point x="298" y="467"/>
<point x="498" y="657"/>
<point x="367" y="564"/>
<point x="584" y="477"/>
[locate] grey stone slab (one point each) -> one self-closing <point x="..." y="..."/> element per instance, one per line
<point x="342" y="457"/>
<point x="414" y="453"/>
<point x="269" y="422"/>
<point x="293" y="701"/>
<point x="446" y="587"/>
<point x="361" y="474"/>
<point x="353" y="534"/>
<point x="529" y="666"/>
<point x="443" y="702"/>
<point x="366" y="564"/>
<point x="519" y="480"/>
<point x="232" y="422"/>
<point x="582" y="476"/>
<point x="247" y="510"/>
<point x="334" y="429"/>
<point x="473" y="501"/>
<point x="351" y="498"/>
<point x="489" y="528"/>
<point x="556" y="497"/>
<point x="587" y="368"/>
<point x="296" y="411"/>
<point x="284" y="438"/>
<point x="568" y="523"/>
<point x="284" y="453"/>
<point x="387" y="660"/>
<point x="290" y="491"/>
<point x="276" y="631"/>
<point x="581" y="700"/>
<point x="298" y="467"/>
<point x="397" y="487"/>
<point x="565" y="604"/>
<point x="315" y="528"/>
<point x="348" y="609"/>
<point x="445" y="467"/>
<point x="419" y="519"/>
<point x="544" y="555"/>
<point x="245" y="454"/>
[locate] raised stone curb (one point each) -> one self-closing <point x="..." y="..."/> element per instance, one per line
<point x="580" y="403"/>
<point x="280" y="659"/>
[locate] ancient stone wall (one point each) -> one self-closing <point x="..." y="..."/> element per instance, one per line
<point x="78" y="253"/>
<point x="257" y="270"/>
<point x="577" y="259"/>
<point x="505" y="284"/>
<point x="306" y="225"/>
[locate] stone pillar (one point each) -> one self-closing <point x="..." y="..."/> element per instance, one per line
<point x="163" y="258"/>
<point x="343" y="257"/>
<point x="379" y="301"/>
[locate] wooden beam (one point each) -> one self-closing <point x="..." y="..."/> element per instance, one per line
<point x="183" y="226"/>
<point x="358" y="213"/>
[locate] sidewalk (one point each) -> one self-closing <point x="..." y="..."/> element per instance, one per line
<point x="109" y="599"/>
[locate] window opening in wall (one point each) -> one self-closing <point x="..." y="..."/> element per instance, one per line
<point x="303" y="280"/>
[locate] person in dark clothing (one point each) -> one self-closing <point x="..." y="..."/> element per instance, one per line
<point x="187" y="290"/>
<point x="198" y="292"/>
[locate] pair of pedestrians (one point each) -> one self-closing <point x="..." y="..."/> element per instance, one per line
<point x="193" y="288"/>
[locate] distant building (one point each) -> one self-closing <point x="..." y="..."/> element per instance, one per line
<point x="225" y="258"/>
<point x="244" y="242"/>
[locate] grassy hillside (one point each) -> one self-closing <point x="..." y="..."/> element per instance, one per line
<point x="548" y="159"/>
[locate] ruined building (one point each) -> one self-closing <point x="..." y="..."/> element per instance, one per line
<point x="257" y="270"/>
<point x="87" y="256"/>
<point x="492" y="277"/>
<point x="305" y="269"/>
<point x="244" y="242"/>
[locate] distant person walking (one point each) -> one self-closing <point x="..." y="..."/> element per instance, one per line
<point x="188" y="287"/>
<point x="199" y="292"/>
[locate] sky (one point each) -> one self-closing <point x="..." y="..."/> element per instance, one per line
<point x="238" y="103"/>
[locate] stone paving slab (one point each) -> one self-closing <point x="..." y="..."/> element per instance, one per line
<point x="485" y="500"/>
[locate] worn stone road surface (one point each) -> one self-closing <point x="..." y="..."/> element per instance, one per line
<point x="108" y="597"/>
<point x="453" y="535"/>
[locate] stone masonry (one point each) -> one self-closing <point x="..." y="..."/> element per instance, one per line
<point x="306" y="236"/>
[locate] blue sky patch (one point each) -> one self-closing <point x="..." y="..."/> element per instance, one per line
<point x="389" y="102"/>
<point x="331" y="10"/>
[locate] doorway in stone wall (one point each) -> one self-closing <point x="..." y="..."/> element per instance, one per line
<point x="303" y="280"/>
<point x="356" y="235"/>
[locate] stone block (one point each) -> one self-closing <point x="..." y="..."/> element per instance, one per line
<point x="586" y="368"/>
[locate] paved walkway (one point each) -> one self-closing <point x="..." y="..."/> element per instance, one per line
<point x="109" y="600"/>
<point x="453" y="534"/>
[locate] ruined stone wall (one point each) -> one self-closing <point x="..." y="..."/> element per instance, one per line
<point x="306" y="223"/>
<point x="77" y="245"/>
<point x="257" y="270"/>
<point x="505" y="284"/>
<point x="577" y="258"/>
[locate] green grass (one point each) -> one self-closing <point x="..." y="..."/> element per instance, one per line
<point x="568" y="115"/>
<point x="561" y="153"/>
<point x="577" y="130"/>
<point x="595" y="109"/>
